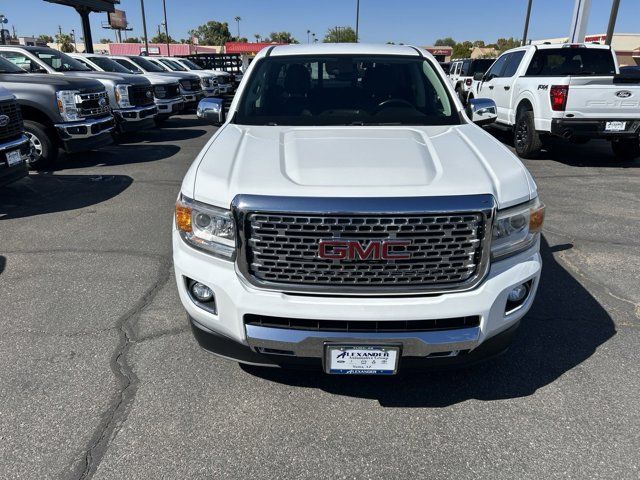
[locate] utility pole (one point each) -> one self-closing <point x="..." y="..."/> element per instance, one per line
<point x="166" y="27"/>
<point x="237" y="19"/>
<point x="526" y="24"/>
<point x="144" y="27"/>
<point x="358" y="17"/>
<point x="612" y="21"/>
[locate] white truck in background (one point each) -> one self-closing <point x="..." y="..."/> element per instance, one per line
<point x="572" y="91"/>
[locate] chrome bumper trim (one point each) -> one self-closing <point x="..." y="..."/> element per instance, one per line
<point x="13" y="144"/>
<point x="64" y="127"/>
<point x="304" y="343"/>
<point x="135" y="110"/>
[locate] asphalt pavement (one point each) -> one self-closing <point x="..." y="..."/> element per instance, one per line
<point x="100" y="376"/>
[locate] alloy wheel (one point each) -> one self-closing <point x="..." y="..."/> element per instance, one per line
<point x="35" y="152"/>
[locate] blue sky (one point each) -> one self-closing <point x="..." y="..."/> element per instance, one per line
<point x="417" y="22"/>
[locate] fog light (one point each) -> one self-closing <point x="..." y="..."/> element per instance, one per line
<point x="201" y="292"/>
<point x="518" y="293"/>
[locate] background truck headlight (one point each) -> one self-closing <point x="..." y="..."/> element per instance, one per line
<point x="516" y="229"/>
<point x="206" y="227"/>
<point x="122" y="96"/>
<point x="67" y="105"/>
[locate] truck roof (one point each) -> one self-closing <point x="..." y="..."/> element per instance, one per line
<point x="343" y="49"/>
<point x="544" y="46"/>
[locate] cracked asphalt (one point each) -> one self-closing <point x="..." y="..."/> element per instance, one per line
<point x="100" y="377"/>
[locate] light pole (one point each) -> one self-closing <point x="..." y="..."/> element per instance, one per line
<point x="73" y="35"/>
<point x="237" y="19"/>
<point x="358" y="18"/>
<point x="612" y="21"/>
<point x="166" y="28"/>
<point x="308" y="33"/>
<point x="526" y="24"/>
<point x="144" y="28"/>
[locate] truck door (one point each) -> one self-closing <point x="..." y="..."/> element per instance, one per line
<point x="504" y="86"/>
<point x="487" y="88"/>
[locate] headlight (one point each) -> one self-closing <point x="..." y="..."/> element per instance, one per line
<point x="205" y="227"/>
<point x="122" y="96"/>
<point x="516" y="229"/>
<point x="67" y="105"/>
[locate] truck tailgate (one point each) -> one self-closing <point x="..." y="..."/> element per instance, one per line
<point x="603" y="98"/>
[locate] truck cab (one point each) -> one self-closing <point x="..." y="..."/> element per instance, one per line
<point x="570" y="91"/>
<point x="350" y="215"/>
<point x="130" y="97"/>
<point x="59" y="112"/>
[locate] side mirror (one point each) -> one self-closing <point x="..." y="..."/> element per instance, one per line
<point x="482" y="111"/>
<point x="211" y="110"/>
<point x="478" y="76"/>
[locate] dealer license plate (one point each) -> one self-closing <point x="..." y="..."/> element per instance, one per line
<point x="615" y="126"/>
<point x="361" y="360"/>
<point x="14" y="158"/>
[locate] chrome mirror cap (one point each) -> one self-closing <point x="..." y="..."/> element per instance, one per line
<point x="482" y="111"/>
<point x="211" y="110"/>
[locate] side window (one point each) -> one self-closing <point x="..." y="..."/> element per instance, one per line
<point x="22" y="61"/>
<point x="496" y="68"/>
<point x="83" y="62"/>
<point x="465" y="68"/>
<point x="512" y="65"/>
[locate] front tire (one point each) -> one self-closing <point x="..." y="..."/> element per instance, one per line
<point x="626" y="148"/>
<point x="525" y="137"/>
<point x="43" y="150"/>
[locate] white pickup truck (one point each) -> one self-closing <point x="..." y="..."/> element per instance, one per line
<point x="573" y="91"/>
<point x="349" y="215"/>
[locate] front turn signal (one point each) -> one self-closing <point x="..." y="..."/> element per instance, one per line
<point x="536" y="218"/>
<point x="183" y="217"/>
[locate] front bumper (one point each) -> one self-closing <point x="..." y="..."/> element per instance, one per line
<point x="85" y="134"/>
<point x="12" y="173"/>
<point x="235" y="299"/>
<point x="191" y="99"/>
<point x="136" y="118"/>
<point x="169" y="107"/>
<point x="593" y="128"/>
<point x="212" y="92"/>
<point x="225" y="87"/>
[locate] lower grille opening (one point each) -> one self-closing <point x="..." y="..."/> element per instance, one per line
<point x="363" y="326"/>
<point x="275" y="351"/>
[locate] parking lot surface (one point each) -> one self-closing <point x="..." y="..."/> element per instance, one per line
<point x="101" y="376"/>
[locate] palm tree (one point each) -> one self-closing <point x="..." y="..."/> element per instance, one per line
<point x="258" y="37"/>
<point x="237" y="19"/>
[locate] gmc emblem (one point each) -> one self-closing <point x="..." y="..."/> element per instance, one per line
<point x="354" y="250"/>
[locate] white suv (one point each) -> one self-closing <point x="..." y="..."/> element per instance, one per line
<point x="348" y="215"/>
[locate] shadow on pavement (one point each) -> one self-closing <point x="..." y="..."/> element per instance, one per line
<point x="563" y="329"/>
<point x="595" y="153"/>
<point x="168" y="134"/>
<point x="117" y="155"/>
<point x="3" y="263"/>
<point x="42" y="193"/>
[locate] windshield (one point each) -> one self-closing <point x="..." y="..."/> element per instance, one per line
<point x="146" y="65"/>
<point x="556" y="62"/>
<point x="132" y="67"/>
<point x="190" y="64"/>
<point x="7" y="67"/>
<point x="59" y="61"/>
<point x="173" y="65"/>
<point x="345" y="90"/>
<point x="109" y="65"/>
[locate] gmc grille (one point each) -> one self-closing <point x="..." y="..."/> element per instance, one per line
<point x="14" y="127"/>
<point x="140" y="95"/>
<point x="446" y="250"/>
<point x="92" y="104"/>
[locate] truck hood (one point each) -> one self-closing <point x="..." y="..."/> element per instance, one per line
<point x="357" y="162"/>
<point x="58" y="82"/>
<point x="110" y="77"/>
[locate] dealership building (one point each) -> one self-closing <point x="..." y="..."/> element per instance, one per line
<point x="626" y="45"/>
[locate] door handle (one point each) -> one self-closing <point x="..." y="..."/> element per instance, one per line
<point x="490" y="87"/>
<point x="507" y="87"/>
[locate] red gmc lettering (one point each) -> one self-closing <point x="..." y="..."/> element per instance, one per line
<point x="354" y="250"/>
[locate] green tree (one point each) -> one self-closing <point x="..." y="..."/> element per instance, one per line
<point x="462" y="50"/>
<point x="45" y="38"/>
<point x="503" y="44"/>
<point x="212" y="33"/>
<point x="65" y="42"/>
<point x="479" y="43"/>
<point x="162" y="38"/>
<point x="445" y="42"/>
<point x="105" y="40"/>
<point x="281" y="37"/>
<point x="340" y="35"/>
<point x="132" y="40"/>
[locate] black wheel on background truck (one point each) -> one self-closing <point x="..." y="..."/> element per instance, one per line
<point x="525" y="137"/>
<point x="626" y="148"/>
<point x="43" y="150"/>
